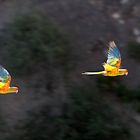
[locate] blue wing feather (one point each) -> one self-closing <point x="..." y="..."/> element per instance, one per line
<point x="114" y="55"/>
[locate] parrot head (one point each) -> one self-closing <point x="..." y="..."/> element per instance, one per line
<point x="123" y="71"/>
<point x="126" y="71"/>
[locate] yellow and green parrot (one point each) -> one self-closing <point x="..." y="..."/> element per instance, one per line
<point x="112" y="66"/>
<point x="5" y="80"/>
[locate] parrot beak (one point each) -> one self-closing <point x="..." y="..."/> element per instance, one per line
<point x="126" y="73"/>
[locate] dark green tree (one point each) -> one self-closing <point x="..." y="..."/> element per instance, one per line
<point x="31" y="42"/>
<point x="85" y="116"/>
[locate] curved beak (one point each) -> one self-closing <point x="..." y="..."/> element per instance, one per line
<point x="126" y="73"/>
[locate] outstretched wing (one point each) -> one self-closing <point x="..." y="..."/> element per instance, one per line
<point x="114" y="56"/>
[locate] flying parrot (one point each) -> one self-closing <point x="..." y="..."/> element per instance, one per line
<point x="112" y="66"/>
<point x="5" y="80"/>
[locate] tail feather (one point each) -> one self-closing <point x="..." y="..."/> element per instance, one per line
<point x="93" y="73"/>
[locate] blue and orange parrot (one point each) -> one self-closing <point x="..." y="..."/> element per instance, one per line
<point x="112" y="66"/>
<point x="5" y="80"/>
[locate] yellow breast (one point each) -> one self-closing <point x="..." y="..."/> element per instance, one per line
<point x="110" y="73"/>
<point x="110" y="70"/>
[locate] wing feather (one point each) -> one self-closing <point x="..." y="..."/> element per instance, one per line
<point x="114" y="56"/>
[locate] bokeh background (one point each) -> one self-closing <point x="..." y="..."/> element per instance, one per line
<point x="46" y="45"/>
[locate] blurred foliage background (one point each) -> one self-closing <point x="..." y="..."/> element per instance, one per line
<point x="46" y="45"/>
<point x="31" y="42"/>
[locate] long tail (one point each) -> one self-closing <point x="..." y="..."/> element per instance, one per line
<point x="93" y="73"/>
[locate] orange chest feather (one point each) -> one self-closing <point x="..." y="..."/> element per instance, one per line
<point x="113" y="72"/>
